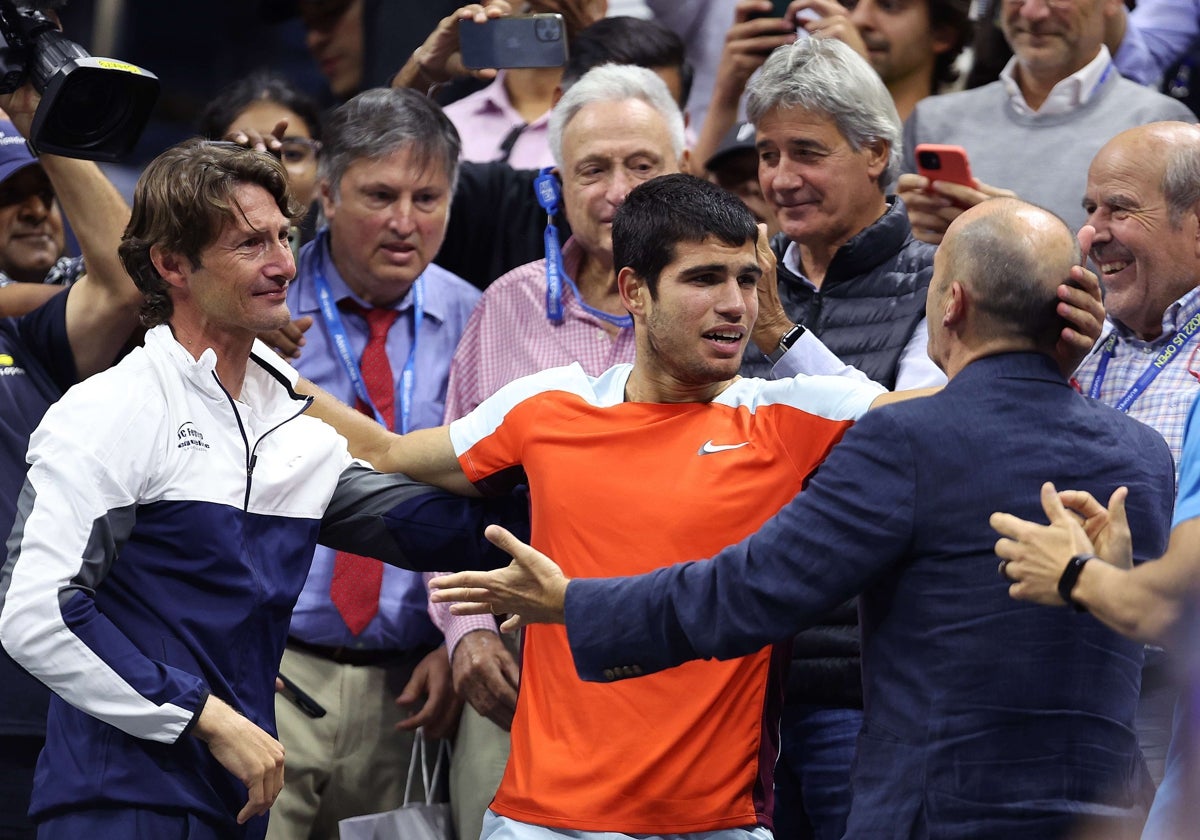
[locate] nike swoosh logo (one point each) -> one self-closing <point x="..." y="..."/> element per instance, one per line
<point x="709" y="447"/>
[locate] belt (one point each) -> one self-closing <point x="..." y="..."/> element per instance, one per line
<point x="355" y="656"/>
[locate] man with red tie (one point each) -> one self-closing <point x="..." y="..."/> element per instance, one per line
<point x="385" y="325"/>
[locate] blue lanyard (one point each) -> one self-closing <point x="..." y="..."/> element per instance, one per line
<point x="545" y="187"/>
<point x="341" y="343"/>
<point x="1156" y="365"/>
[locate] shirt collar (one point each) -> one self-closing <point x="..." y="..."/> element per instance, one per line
<point x="1070" y="93"/>
<point x="1175" y="316"/>
<point x="317" y="257"/>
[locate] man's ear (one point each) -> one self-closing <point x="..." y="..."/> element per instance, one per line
<point x="325" y="193"/>
<point x="170" y="266"/>
<point x="878" y="153"/>
<point x="955" y="310"/>
<point x="634" y="291"/>
<point x="1193" y="217"/>
<point x="685" y="164"/>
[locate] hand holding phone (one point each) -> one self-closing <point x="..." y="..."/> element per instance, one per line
<point x="518" y="41"/>
<point x="938" y="162"/>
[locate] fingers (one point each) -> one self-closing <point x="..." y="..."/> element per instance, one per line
<point x="504" y="540"/>
<point x="512" y="624"/>
<point x="1116" y="508"/>
<point x="1086" y="234"/>
<point x="1051" y="504"/>
<point x="1082" y="503"/>
<point x="1008" y="526"/>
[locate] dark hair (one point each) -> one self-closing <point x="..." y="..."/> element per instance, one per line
<point x="380" y="121"/>
<point x="952" y="15"/>
<point x="263" y="85"/>
<point x="628" y="40"/>
<point x="182" y="201"/>
<point x="664" y="211"/>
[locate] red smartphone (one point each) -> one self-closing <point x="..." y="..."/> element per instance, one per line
<point x="938" y="162"/>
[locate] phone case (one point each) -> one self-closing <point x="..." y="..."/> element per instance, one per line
<point x="938" y="162"/>
<point x="519" y="41"/>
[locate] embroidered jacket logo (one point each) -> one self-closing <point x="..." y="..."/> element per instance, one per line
<point x="189" y="437"/>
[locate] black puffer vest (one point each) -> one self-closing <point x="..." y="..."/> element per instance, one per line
<point x="866" y="310"/>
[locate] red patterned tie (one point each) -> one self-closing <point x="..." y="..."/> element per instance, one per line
<point x="356" y="580"/>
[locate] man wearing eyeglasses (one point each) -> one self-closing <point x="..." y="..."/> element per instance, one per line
<point x="1059" y="99"/>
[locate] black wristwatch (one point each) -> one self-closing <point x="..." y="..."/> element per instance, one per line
<point x="786" y="342"/>
<point x="1070" y="577"/>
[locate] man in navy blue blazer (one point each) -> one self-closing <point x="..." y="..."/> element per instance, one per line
<point x="984" y="717"/>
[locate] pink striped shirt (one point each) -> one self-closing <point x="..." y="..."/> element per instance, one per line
<point x="509" y="336"/>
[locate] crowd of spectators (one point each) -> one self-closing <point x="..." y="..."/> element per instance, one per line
<point x="450" y="231"/>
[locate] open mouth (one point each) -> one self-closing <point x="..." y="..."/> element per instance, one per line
<point x="726" y="339"/>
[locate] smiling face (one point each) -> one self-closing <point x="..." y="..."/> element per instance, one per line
<point x="1146" y="262"/>
<point x="695" y="325"/>
<point x="387" y="223"/>
<point x="1055" y="38"/>
<point x="822" y="191"/>
<point x="238" y="287"/>
<point x="609" y="148"/>
<point x="31" y="226"/>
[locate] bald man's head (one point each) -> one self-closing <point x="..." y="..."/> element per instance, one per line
<point x="1010" y="257"/>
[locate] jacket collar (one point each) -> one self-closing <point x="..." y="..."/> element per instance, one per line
<point x="869" y="248"/>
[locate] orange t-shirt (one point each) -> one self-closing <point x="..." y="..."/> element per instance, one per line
<point x="621" y="488"/>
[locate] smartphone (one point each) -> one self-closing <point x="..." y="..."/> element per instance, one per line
<point x="779" y="10"/>
<point x="944" y="163"/>
<point x="518" y="41"/>
<point x="301" y="698"/>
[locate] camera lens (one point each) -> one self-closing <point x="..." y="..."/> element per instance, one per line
<point x="930" y="160"/>
<point x="546" y="30"/>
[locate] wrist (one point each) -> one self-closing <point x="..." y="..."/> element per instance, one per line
<point x="1069" y="579"/>
<point x="786" y="342"/>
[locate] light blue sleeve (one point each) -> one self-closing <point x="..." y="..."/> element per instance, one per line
<point x="1187" y="502"/>
<point x="1158" y="33"/>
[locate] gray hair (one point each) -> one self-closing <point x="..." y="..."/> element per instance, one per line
<point x="1181" y="176"/>
<point x="380" y="122"/>
<point x="824" y="76"/>
<point x="615" y="83"/>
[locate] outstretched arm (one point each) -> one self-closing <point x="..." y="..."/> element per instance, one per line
<point x="439" y="60"/>
<point x="102" y="310"/>
<point x="532" y="588"/>
<point x="425" y="454"/>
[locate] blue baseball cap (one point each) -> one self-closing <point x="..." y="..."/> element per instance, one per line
<point x="14" y="151"/>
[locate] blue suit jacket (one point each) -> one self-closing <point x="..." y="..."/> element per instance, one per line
<point x="985" y="717"/>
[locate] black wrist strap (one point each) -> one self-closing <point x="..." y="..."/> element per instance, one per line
<point x="1070" y="576"/>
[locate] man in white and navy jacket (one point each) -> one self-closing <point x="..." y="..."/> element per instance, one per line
<point x="168" y="518"/>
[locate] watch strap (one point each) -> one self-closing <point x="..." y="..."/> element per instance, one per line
<point x="1070" y="576"/>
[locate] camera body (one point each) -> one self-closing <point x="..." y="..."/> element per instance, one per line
<point x="91" y="108"/>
